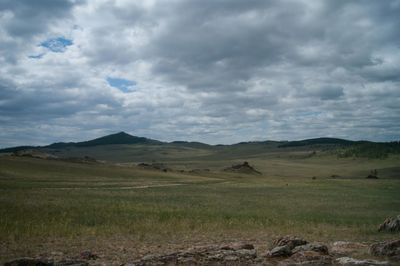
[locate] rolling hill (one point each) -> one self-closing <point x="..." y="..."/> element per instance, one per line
<point x="123" y="147"/>
<point x="117" y="138"/>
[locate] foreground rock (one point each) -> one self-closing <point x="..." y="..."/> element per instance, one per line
<point x="390" y="225"/>
<point x="284" y="251"/>
<point x="237" y="253"/>
<point x="307" y="258"/>
<point x="390" y="249"/>
<point x="346" y="261"/>
<point x="299" y="252"/>
<point x="291" y="241"/>
<point x="315" y="247"/>
<point x="279" y="251"/>
<point x="88" y="255"/>
<point x="28" y="262"/>
<point x="282" y="247"/>
<point x="344" y="248"/>
<point x="62" y="261"/>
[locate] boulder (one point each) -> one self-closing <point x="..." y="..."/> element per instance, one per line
<point x="347" y="261"/>
<point x="291" y="241"/>
<point x="280" y="251"/>
<point x="88" y="255"/>
<point x="343" y="248"/>
<point x="373" y="174"/>
<point x="390" y="225"/>
<point x="316" y="247"/>
<point x="307" y="258"/>
<point x="387" y="248"/>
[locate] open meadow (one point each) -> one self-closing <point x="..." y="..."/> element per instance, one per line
<point x="67" y="206"/>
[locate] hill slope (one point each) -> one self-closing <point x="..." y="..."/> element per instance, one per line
<point x="317" y="141"/>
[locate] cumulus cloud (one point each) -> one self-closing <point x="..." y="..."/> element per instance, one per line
<point x="212" y="71"/>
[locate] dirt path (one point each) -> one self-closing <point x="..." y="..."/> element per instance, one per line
<point x="112" y="188"/>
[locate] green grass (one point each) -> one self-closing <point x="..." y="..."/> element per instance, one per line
<point x="54" y="199"/>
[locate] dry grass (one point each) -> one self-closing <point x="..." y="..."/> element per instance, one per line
<point x="43" y="199"/>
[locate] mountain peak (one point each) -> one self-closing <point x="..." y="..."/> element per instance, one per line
<point x="121" y="133"/>
<point x="116" y="138"/>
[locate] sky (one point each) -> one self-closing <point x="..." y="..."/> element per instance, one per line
<point x="215" y="71"/>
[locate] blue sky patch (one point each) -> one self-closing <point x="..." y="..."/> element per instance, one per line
<point x="121" y="84"/>
<point x="57" y="45"/>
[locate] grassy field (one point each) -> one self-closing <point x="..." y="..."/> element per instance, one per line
<point x="49" y="199"/>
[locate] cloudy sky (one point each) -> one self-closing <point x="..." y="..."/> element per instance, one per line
<point x="217" y="71"/>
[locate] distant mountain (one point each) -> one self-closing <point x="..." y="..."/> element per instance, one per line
<point x="342" y="147"/>
<point x="318" y="141"/>
<point x="265" y="142"/>
<point x="118" y="138"/>
<point x="348" y="148"/>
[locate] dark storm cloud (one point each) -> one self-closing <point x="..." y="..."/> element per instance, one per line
<point x="33" y="17"/>
<point x="215" y="71"/>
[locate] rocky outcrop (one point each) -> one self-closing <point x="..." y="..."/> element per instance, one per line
<point x="34" y="154"/>
<point x="199" y="171"/>
<point x="84" y="159"/>
<point x="244" y="168"/>
<point x="154" y="166"/>
<point x="390" y="225"/>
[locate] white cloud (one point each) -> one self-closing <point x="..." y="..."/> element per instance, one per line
<point x="215" y="71"/>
